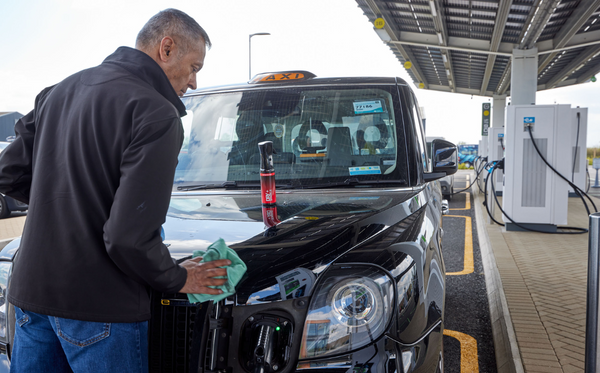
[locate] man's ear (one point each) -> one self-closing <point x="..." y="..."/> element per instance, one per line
<point x="167" y="49"/>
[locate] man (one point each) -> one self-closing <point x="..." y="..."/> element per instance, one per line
<point x="95" y="161"/>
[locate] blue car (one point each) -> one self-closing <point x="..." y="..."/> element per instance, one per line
<point x="467" y="154"/>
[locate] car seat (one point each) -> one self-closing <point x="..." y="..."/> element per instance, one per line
<point x="339" y="146"/>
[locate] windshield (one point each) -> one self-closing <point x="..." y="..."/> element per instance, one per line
<point x="319" y="134"/>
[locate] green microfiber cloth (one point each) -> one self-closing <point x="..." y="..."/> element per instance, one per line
<point x="235" y="271"/>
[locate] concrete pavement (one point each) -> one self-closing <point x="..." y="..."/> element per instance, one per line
<point x="12" y="226"/>
<point x="537" y="286"/>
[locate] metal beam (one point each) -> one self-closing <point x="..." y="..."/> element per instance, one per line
<point x="444" y="88"/>
<point x="442" y="35"/>
<point x="538" y="22"/>
<point x="573" y="65"/>
<point x="470" y="50"/>
<point x="473" y="45"/>
<point x="501" y="17"/>
<point x="575" y="46"/>
<point x="505" y="80"/>
<point x="577" y="19"/>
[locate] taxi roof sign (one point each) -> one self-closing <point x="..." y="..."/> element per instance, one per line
<point x="282" y="77"/>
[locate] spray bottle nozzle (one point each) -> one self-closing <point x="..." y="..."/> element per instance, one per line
<point x="266" y="156"/>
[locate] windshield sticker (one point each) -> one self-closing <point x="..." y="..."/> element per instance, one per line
<point x="278" y="130"/>
<point x="364" y="170"/>
<point x="389" y="162"/>
<point x="366" y="107"/>
<point x="362" y="198"/>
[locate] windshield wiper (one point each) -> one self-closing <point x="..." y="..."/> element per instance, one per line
<point x="351" y="182"/>
<point x="226" y="184"/>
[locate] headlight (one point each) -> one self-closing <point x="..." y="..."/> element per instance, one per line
<point x="350" y="308"/>
<point x="4" y="273"/>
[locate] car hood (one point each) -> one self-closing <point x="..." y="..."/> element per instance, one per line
<point x="315" y="228"/>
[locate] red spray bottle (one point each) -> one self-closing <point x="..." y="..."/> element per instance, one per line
<point x="267" y="184"/>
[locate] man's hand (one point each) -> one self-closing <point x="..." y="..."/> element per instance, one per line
<point x="202" y="275"/>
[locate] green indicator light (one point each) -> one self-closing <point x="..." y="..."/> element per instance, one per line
<point x="277" y="328"/>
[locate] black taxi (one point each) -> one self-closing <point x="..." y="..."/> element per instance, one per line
<point x="324" y="189"/>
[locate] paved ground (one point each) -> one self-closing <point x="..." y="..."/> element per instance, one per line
<point x="539" y="293"/>
<point x="12" y="226"/>
<point x="468" y="342"/>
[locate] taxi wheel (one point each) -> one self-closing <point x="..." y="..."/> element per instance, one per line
<point x="4" y="211"/>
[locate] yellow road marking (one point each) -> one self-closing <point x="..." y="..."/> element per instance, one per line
<point x="467" y="202"/>
<point x="468" y="266"/>
<point x="468" y="351"/>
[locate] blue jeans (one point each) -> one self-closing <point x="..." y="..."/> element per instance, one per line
<point x="53" y="344"/>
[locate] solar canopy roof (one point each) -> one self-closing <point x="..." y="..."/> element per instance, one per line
<point x="465" y="46"/>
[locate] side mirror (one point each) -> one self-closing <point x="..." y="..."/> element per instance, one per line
<point x="444" y="158"/>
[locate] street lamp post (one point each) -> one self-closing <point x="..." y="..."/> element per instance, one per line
<point x="250" y="51"/>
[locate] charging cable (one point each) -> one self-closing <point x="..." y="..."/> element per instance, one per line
<point x="577" y="190"/>
<point x="470" y="185"/>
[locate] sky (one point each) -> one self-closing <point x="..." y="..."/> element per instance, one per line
<point x="45" y="41"/>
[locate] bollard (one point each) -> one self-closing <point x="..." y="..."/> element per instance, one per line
<point x="592" y="358"/>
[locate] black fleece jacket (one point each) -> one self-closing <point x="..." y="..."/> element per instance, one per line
<point x="95" y="161"/>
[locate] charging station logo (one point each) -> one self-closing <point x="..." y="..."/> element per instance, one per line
<point x="529" y="120"/>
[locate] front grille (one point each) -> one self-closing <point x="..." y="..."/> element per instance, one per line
<point x="171" y="333"/>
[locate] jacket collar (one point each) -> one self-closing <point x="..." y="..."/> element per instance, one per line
<point x="144" y="67"/>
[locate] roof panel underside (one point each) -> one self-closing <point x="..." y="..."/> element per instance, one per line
<point x="468" y="69"/>
<point x="464" y="66"/>
<point x="495" y="78"/>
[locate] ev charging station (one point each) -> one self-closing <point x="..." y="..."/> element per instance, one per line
<point x="483" y="153"/>
<point x="483" y="146"/>
<point x="534" y="195"/>
<point x="578" y="169"/>
<point x="496" y="148"/>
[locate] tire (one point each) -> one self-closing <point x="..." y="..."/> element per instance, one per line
<point x="4" y="210"/>
<point x="468" y="164"/>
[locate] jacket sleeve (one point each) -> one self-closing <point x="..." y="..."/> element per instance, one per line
<point x="132" y="231"/>
<point x="16" y="161"/>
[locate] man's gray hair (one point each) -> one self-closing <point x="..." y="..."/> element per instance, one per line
<point x="175" y="23"/>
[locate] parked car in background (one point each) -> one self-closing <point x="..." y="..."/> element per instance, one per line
<point x="9" y="204"/>
<point x="447" y="182"/>
<point x="467" y="154"/>
<point x="344" y="263"/>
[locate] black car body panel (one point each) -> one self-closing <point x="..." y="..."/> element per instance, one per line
<point x="345" y="272"/>
<point x="389" y="228"/>
<point x="15" y="205"/>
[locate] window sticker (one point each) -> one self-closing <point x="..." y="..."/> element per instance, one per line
<point x="362" y="198"/>
<point x="367" y="107"/>
<point x="279" y="130"/>
<point x="364" y="170"/>
<point x="389" y="162"/>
